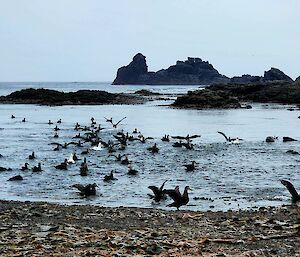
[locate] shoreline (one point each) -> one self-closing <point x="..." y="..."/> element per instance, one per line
<point x="43" y="229"/>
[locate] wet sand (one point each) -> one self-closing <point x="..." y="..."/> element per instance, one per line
<point x="42" y="229"/>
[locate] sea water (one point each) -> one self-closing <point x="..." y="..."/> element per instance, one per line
<point x="227" y="176"/>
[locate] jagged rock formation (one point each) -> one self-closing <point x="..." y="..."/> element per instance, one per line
<point x="193" y="71"/>
<point x="271" y="75"/>
<point x="81" y="97"/>
<point x="297" y="79"/>
<point x="276" y="74"/>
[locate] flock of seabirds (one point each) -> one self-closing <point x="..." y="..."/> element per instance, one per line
<point x="91" y="135"/>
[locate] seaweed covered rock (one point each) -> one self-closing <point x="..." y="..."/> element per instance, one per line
<point x="203" y="99"/>
<point x="53" y="97"/>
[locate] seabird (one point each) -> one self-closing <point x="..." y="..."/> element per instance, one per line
<point x="125" y="161"/>
<point x="85" y="151"/>
<point x="25" y="167"/>
<point x="13" y="116"/>
<point x="159" y="194"/>
<point x="271" y="139"/>
<point x="135" y="131"/>
<point x="5" y="169"/>
<point x="292" y="190"/>
<point x="55" y="135"/>
<point x="50" y="122"/>
<point x="131" y="171"/>
<point x="89" y="189"/>
<point x="31" y="156"/>
<point x="37" y="168"/>
<point x="165" y="138"/>
<point x="108" y="120"/>
<point x="190" y="167"/>
<point x="116" y="124"/>
<point x="84" y="168"/>
<point x="59" y="121"/>
<point x="178" y="199"/>
<point x="187" y="137"/>
<point x="63" y="165"/>
<point x="230" y="140"/>
<point x="177" y="144"/>
<point x="153" y="149"/>
<point x="109" y="177"/>
<point x="56" y="128"/>
<point x="24" y="120"/>
<point x="72" y="158"/>
<point x="98" y="147"/>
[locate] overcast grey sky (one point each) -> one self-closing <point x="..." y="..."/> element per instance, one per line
<point x="87" y="40"/>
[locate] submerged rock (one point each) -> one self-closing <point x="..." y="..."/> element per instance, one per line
<point x="18" y="177"/>
<point x="81" y="97"/>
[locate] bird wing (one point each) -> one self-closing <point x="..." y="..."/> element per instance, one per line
<point x="149" y="138"/>
<point x="155" y="190"/>
<point x="58" y="144"/>
<point x="80" y="187"/>
<point x="174" y="194"/>
<point x="178" y="137"/>
<point x="194" y="136"/>
<point x="104" y="143"/>
<point x="163" y="184"/>
<point x="120" y="121"/>
<point x="223" y="135"/>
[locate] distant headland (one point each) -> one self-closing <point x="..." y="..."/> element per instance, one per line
<point x="193" y="71"/>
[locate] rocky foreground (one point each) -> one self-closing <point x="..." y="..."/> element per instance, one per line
<point x="81" y="97"/>
<point x="41" y="229"/>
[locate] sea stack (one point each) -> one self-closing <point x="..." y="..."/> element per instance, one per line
<point x="192" y="71"/>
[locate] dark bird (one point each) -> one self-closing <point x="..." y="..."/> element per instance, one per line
<point x="85" y="151"/>
<point x="235" y="140"/>
<point x="125" y="161"/>
<point x="188" y="145"/>
<point x="63" y="165"/>
<point x="135" y="131"/>
<point x="292" y="190"/>
<point x="25" y="167"/>
<point x="190" y="167"/>
<point x="143" y="139"/>
<point x="178" y="199"/>
<point x="89" y="189"/>
<point x="59" y="121"/>
<point x="24" y="120"/>
<point x="60" y="146"/>
<point x="108" y="120"/>
<point x="165" y="138"/>
<point x="50" y="122"/>
<point x="131" y="171"/>
<point x="84" y="168"/>
<point x="1" y="156"/>
<point x="109" y="177"/>
<point x="55" y="135"/>
<point x="177" y="144"/>
<point x="116" y="124"/>
<point x="118" y="157"/>
<point x="13" y="116"/>
<point x="187" y="137"/>
<point x="56" y="128"/>
<point x="153" y="149"/>
<point x="37" y="168"/>
<point x="159" y="194"/>
<point x="31" y="156"/>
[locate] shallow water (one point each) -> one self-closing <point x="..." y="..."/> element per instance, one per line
<point x="231" y="176"/>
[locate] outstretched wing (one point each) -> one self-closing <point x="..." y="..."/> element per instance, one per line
<point x="292" y="190"/>
<point x="174" y="194"/>
<point x="163" y="184"/>
<point x="223" y="135"/>
<point x="178" y="137"/>
<point x="58" y="144"/>
<point x="155" y="190"/>
<point x="120" y="121"/>
<point x="194" y="136"/>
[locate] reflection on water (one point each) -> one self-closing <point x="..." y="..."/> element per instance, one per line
<point x="230" y="176"/>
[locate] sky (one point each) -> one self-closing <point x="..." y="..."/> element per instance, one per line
<point x="88" y="40"/>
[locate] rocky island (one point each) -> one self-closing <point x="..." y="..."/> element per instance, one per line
<point x="192" y="71"/>
<point x="230" y="95"/>
<point x="81" y="97"/>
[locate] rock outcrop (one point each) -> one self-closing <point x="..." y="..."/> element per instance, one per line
<point x="275" y="74"/>
<point x="81" y="97"/>
<point x="206" y="99"/>
<point x="193" y="71"/>
<point x="297" y="79"/>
